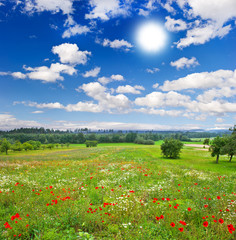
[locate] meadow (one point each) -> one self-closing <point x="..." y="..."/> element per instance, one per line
<point x="117" y="191"/>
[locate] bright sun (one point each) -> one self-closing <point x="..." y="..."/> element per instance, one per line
<point x="151" y="37"/>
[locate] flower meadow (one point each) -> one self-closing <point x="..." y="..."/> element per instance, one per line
<point x="116" y="192"/>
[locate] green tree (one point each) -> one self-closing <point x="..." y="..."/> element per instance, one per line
<point x="5" y="146"/>
<point x="206" y="141"/>
<point x="50" y="146"/>
<point x="216" y="147"/>
<point x="17" y="146"/>
<point x="27" y="146"/>
<point x="171" y="148"/>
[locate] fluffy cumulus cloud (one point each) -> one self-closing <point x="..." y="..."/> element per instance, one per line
<point x="50" y="74"/>
<point x="106" y="9"/>
<point x="107" y="102"/>
<point x="184" y="62"/>
<point x="129" y="89"/>
<point x="70" y="53"/>
<point x="173" y="25"/>
<point x="14" y="74"/>
<point x="54" y="6"/>
<point x="214" y="93"/>
<point x="159" y="99"/>
<point x="217" y="10"/>
<point x="114" y="77"/>
<point x="117" y="44"/>
<point x="213" y="14"/>
<point x="203" y="80"/>
<point x="92" y="73"/>
<point x="203" y="34"/>
<point x="73" y="28"/>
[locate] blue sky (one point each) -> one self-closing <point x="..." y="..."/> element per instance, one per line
<point x="118" y="64"/>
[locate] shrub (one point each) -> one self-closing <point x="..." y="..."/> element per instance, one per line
<point x="171" y="148"/>
<point x="91" y="143"/>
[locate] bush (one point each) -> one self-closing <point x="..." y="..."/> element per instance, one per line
<point x="140" y="140"/>
<point x="171" y="148"/>
<point x="91" y="143"/>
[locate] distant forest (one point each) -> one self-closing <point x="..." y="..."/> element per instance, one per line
<point x="46" y="136"/>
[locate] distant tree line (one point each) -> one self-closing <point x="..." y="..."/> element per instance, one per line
<point x="45" y="136"/>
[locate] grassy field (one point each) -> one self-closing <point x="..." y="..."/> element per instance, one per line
<point x="116" y="191"/>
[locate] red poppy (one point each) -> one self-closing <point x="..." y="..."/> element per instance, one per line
<point x="172" y="224"/>
<point x="189" y="209"/>
<point x="161" y="217"/>
<point x="218" y="197"/>
<point x="221" y="220"/>
<point x="181" y="229"/>
<point x="205" y="224"/>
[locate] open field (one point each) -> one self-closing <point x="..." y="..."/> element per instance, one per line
<point x="116" y="191"/>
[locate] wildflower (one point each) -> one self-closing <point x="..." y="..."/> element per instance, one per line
<point x="205" y="224"/>
<point x="181" y="229"/>
<point x="172" y="224"/>
<point x="189" y="209"/>
<point x="218" y="197"/>
<point x="221" y="221"/>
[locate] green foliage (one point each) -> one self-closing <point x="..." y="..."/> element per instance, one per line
<point x="91" y="143"/>
<point x="216" y="147"/>
<point x="171" y="148"/>
<point x="17" y="146"/>
<point x="206" y="141"/>
<point x="140" y="140"/>
<point x="27" y="146"/>
<point x="5" y="146"/>
<point x="230" y="145"/>
<point x="50" y="146"/>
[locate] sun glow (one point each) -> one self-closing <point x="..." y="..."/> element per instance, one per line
<point x="151" y="37"/>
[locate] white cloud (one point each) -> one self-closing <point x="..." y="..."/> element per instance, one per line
<point x="84" y="107"/>
<point x="128" y="89"/>
<point x="159" y="99"/>
<point x="173" y="25"/>
<point x="211" y="94"/>
<point x="114" y="77"/>
<point x="73" y="28"/>
<point x="19" y="75"/>
<point x="161" y="112"/>
<point x="54" y="6"/>
<point x="104" y="80"/>
<point x="50" y="74"/>
<point x="117" y="77"/>
<point x="217" y="10"/>
<point x="139" y="87"/>
<point x="144" y="13"/>
<point x="14" y="74"/>
<point x="155" y="85"/>
<point x="107" y="102"/>
<point x="184" y="62"/>
<point x="92" y="73"/>
<point x="106" y="9"/>
<point x="8" y="121"/>
<point x="203" y="80"/>
<point x="37" y="112"/>
<point x="117" y="44"/>
<point x="70" y="53"/>
<point x="203" y="34"/>
<point x="153" y="70"/>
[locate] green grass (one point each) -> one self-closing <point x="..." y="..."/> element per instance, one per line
<point x="110" y="192"/>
